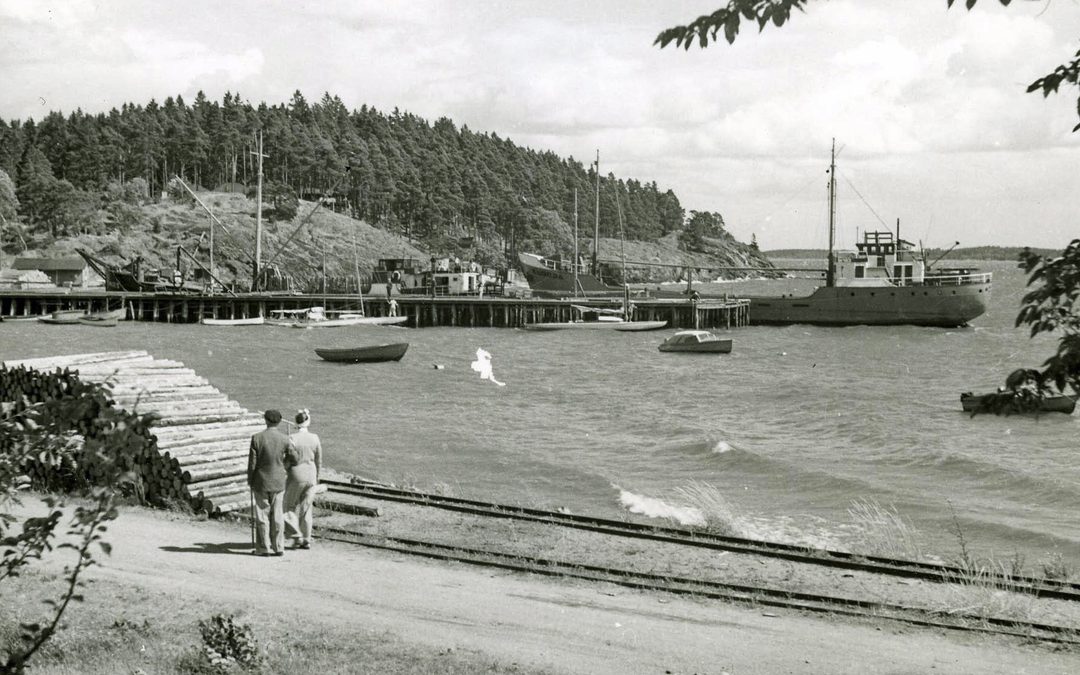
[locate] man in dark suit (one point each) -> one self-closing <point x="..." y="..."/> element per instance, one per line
<point x="266" y="476"/>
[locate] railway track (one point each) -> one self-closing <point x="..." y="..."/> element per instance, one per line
<point x="1037" y="587"/>
<point x="756" y="595"/>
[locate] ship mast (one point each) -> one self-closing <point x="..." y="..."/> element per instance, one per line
<point x="576" y="258"/>
<point x="830" y="275"/>
<point x="596" y="227"/>
<point x="258" y="218"/>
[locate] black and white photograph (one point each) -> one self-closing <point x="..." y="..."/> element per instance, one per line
<point x="703" y="337"/>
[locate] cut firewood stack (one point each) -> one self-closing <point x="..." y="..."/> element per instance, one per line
<point x="202" y="437"/>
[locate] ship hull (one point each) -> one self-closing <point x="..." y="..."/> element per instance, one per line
<point x="920" y="305"/>
<point x="548" y="281"/>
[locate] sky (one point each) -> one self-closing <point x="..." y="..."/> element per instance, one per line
<point x="927" y="104"/>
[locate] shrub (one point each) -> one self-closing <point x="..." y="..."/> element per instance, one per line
<point x="229" y="643"/>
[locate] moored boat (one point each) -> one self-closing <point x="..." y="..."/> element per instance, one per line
<point x="596" y="319"/>
<point x="1013" y="404"/>
<point x="369" y="354"/>
<point x="251" y="321"/>
<point x="317" y="317"/>
<point x="68" y="317"/>
<point x="98" y="320"/>
<point x="696" y="341"/>
<point x="558" y="278"/>
<point x="881" y="283"/>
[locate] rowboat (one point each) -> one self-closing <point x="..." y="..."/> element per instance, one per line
<point x="1012" y="405"/>
<point x="67" y="317"/>
<point x="372" y="354"/>
<point x="99" y="320"/>
<point x="696" y="341"/>
<point x="253" y="321"/>
<point x="118" y="314"/>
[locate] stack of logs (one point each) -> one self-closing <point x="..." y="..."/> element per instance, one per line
<point x="202" y="437"/>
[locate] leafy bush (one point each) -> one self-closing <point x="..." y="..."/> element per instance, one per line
<point x="228" y="643"/>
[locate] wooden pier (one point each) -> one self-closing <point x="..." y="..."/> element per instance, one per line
<point x="424" y="311"/>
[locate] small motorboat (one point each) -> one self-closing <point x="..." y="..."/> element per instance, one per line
<point x="252" y="321"/>
<point x="1011" y="403"/>
<point x="696" y="341"/>
<point x="372" y="354"/>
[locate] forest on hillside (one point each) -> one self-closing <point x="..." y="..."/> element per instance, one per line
<point x="77" y="173"/>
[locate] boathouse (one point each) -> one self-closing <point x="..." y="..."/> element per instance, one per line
<point x="69" y="271"/>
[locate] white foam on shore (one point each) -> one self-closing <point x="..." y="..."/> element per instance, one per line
<point x="656" y="508"/>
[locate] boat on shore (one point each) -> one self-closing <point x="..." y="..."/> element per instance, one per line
<point x="881" y="283"/>
<point x="696" y="342"/>
<point x="251" y="321"/>
<point x="370" y="354"/>
<point x="1012" y="403"/>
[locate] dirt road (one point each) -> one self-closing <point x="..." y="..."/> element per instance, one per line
<point x="560" y="625"/>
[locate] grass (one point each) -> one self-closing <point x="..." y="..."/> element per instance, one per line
<point x="720" y="517"/>
<point x="120" y="629"/>
<point x="986" y="589"/>
<point x="882" y="531"/>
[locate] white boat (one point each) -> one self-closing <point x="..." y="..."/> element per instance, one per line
<point x="317" y="317"/>
<point x="287" y="317"/>
<point x="697" y="342"/>
<point x="253" y="321"/>
<point x="591" y="318"/>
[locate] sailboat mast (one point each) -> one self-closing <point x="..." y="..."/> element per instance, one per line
<point x="211" y="256"/>
<point x="576" y="255"/>
<point x="258" y="218"/>
<point x="596" y="227"/>
<point x="830" y="278"/>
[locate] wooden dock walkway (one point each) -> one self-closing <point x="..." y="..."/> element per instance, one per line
<point x="423" y="310"/>
<point x="202" y="436"/>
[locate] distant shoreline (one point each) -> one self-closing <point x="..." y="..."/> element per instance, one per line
<point x="1006" y="253"/>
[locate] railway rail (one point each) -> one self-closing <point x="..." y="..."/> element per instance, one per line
<point x="760" y="596"/>
<point x="1037" y="587"/>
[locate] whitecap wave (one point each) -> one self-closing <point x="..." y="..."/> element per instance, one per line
<point x="720" y="447"/>
<point x="657" y="508"/>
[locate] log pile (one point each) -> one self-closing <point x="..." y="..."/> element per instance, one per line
<point x="200" y="437"/>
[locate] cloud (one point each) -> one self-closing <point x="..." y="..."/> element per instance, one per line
<point x="59" y="15"/>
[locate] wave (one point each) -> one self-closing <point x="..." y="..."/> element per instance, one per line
<point x="653" y="507"/>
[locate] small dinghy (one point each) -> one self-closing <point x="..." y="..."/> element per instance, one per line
<point x="99" y="320"/>
<point x="373" y="354"/>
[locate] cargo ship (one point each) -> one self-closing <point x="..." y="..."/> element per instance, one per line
<point x="882" y="282"/>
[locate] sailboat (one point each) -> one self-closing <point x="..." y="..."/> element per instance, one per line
<point x="555" y="277"/>
<point x="882" y="282"/>
<point x="601" y="318"/>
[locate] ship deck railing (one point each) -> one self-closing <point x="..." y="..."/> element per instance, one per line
<point x="950" y="280"/>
